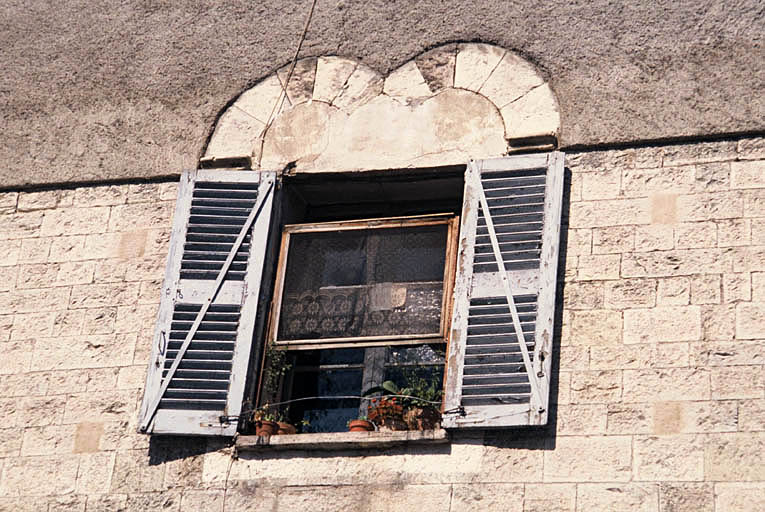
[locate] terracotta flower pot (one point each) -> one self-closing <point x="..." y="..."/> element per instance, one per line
<point x="360" y="426"/>
<point x="286" y="428"/>
<point x="387" y="414"/>
<point x="422" y="418"/>
<point x="266" y="428"/>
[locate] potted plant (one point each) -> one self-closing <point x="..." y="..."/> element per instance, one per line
<point x="361" y="424"/>
<point x="407" y="408"/>
<point x="285" y="427"/>
<point x="422" y="408"/>
<point x="386" y="411"/>
<point x="265" y="422"/>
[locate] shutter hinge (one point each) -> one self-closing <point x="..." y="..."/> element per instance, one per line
<point x="459" y="410"/>
<point x="226" y="420"/>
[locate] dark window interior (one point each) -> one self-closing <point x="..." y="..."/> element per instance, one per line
<point x="366" y="195"/>
<point x="338" y="376"/>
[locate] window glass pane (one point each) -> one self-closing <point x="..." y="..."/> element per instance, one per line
<point x="321" y="375"/>
<point x="417" y="354"/>
<point x="326" y="414"/>
<point x="328" y="357"/>
<point x="359" y="283"/>
<point x="333" y="380"/>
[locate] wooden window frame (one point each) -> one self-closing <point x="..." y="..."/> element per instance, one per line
<point x="448" y="219"/>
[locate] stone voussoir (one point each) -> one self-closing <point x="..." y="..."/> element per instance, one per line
<point x="511" y="86"/>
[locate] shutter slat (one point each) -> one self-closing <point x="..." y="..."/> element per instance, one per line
<point x="203" y="384"/>
<point x="509" y="256"/>
<point x="512" y="228"/>
<point x="220" y="194"/>
<point x="499" y="319"/>
<point x="494" y="339"/>
<point x="220" y="211"/>
<point x="509" y="265"/>
<point x="199" y="374"/>
<point x="213" y="247"/>
<point x="492" y="400"/>
<point x="513" y="176"/>
<point x="206" y="325"/>
<point x="211" y="275"/>
<point x="494" y="357"/>
<point x="202" y="345"/>
<point x="189" y="364"/>
<point x="497" y="348"/>
<point x="510" y="247"/>
<point x="214" y="220"/>
<point x="194" y="405"/>
<point x="239" y="185"/>
<point x="206" y="229"/>
<point x="216" y="238"/>
<point x="191" y="394"/>
<point x="497" y="390"/>
<point x="204" y="336"/>
<point x="203" y="354"/>
<point x="496" y="379"/>
<point x="221" y="203"/>
<point x="494" y="369"/>
<point x="201" y="264"/>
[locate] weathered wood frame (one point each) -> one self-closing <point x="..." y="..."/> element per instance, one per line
<point x="449" y="220"/>
<point x="541" y="281"/>
<point x="200" y="422"/>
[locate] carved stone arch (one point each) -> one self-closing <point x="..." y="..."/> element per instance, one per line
<point x="452" y="103"/>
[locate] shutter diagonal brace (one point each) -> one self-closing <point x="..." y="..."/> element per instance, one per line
<point x="535" y="391"/>
<point x="152" y="410"/>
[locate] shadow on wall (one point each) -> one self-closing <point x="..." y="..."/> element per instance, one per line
<point x="543" y="438"/>
<point x="169" y="448"/>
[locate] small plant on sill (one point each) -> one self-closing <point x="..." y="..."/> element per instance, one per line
<point x="273" y="417"/>
<point x="265" y="420"/>
<point x="407" y="408"/>
<point x="362" y="424"/>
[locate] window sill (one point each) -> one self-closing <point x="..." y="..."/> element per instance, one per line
<point x="342" y="440"/>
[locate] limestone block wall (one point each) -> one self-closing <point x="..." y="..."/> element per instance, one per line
<point x="659" y="382"/>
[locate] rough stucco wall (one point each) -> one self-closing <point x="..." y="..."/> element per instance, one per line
<point x="659" y="389"/>
<point x="111" y="90"/>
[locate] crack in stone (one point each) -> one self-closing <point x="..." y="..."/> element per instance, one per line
<point x="523" y="95"/>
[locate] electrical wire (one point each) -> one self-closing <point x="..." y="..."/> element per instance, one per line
<point x="283" y="94"/>
<point x="333" y="397"/>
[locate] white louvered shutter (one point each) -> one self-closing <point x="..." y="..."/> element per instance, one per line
<point x="494" y="380"/>
<point x="206" y="319"/>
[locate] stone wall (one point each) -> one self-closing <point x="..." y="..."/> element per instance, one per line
<point x="659" y="387"/>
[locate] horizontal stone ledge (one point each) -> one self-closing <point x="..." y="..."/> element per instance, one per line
<point x="342" y="440"/>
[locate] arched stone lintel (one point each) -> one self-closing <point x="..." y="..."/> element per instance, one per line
<point x="448" y="104"/>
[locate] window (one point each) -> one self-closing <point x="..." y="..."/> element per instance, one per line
<point x="433" y="278"/>
<point x="357" y="303"/>
<point x="364" y="282"/>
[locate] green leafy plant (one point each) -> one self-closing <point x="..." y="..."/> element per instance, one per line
<point x="265" y="412"/>
<point x="416" y="405"/>
<point x="275" y="369"/>
<point x="419" y="392"/>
